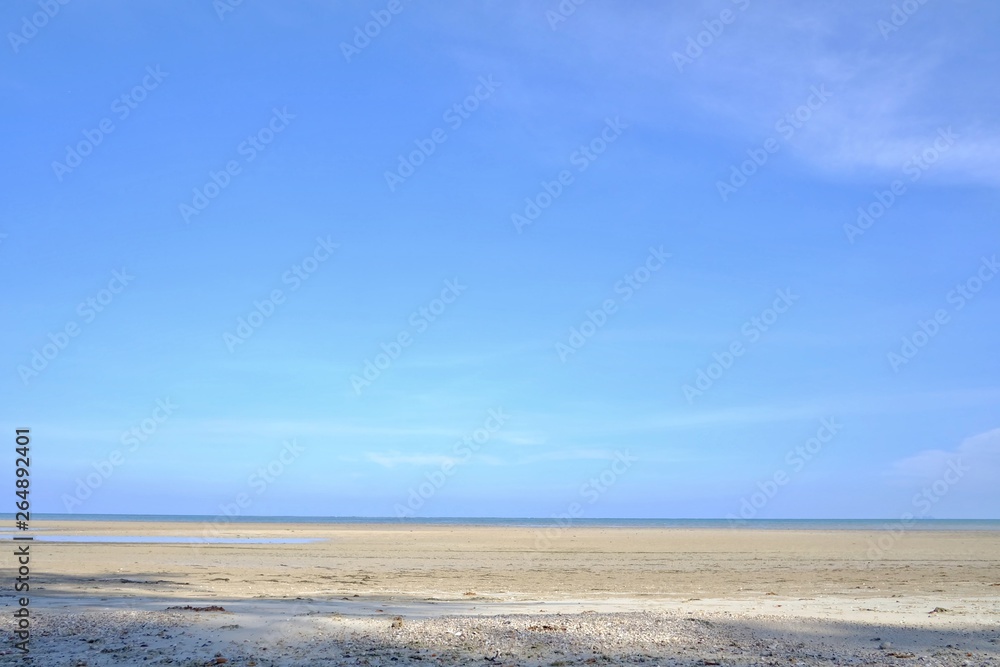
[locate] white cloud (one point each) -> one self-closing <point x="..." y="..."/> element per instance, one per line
<point x="980" y="453"/>
<point x="889" y="96"/>
<point x="571" y="455"/>
<point x="764" y="413"/>
<point x="392" y="459"/>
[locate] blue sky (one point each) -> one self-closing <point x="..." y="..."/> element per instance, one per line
<point x="631" y="260"/>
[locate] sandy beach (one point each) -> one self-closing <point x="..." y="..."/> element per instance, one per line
<point x="395" y="594"/>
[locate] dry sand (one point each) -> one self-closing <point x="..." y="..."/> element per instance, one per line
<point x="392" y="594"/>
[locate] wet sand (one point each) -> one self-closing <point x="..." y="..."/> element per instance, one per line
<point x="383" y="591"/>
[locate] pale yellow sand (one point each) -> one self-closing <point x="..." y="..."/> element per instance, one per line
<point x="420" y="562"/>
<point x="761" y="583"/>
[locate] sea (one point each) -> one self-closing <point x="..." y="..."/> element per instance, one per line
<point x="541" y="522"/>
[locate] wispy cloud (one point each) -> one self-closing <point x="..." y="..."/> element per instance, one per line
<point x="393" y="459"/>
<point x="980" y="453"/>
<point x="255" y="430"/>
<point x="569" y="455"/>
<point x="773" y="412"/>
<point x="889" y="95"/>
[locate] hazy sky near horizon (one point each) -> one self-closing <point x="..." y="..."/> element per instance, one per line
<point x="615" y="259"/>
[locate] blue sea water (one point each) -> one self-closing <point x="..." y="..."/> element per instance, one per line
<point x="165" y="539"/>
<point x="758" y="524"/>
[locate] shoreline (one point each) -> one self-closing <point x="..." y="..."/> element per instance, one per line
<point x="528" y="522"/>
<point x="393" y="594"/>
